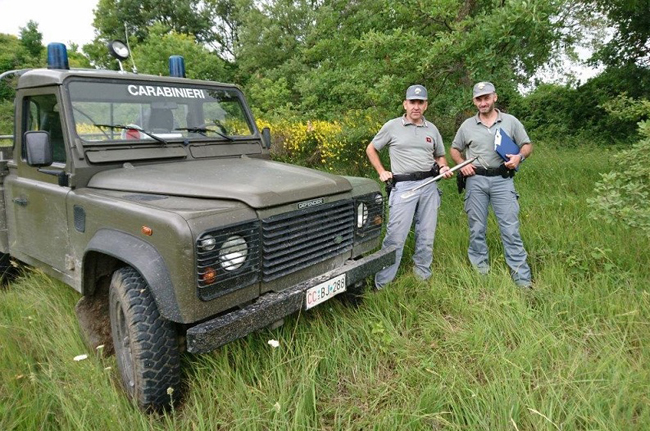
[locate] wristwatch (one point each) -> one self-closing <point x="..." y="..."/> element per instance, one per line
<point x="522" y="158"/>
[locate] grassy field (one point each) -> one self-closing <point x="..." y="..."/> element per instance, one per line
<point x="460" y="352"/>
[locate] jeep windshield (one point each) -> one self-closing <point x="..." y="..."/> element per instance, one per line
<point x="129" y="111"/>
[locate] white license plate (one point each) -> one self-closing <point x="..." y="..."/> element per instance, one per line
<point x="324" y="291"/>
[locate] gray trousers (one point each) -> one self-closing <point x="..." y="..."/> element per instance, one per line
<point x="480" y="192"/>
<point x="421" y="208"/>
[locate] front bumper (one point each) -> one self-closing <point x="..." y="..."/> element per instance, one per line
<point x="272" y="307"/>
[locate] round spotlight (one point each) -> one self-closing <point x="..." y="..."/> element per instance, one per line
<point x="118" y="49"/>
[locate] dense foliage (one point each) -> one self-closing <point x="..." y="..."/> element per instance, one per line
<point x="322" y="58"/>
<point x="572" y="115"/>
<point x="14" y="54"/>
<point x="630" y="41"/>
<point x="621" y="196"/>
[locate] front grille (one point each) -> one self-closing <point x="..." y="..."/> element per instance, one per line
<point x="303" y="238"/>
<point x="284" y="243"/>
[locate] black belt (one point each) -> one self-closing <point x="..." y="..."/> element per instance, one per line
<point x="414" y="176"/>
<point x="501" y="171"/>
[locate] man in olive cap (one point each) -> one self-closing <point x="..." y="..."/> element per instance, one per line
<point x="416" y="154"/>
<point x="492" y="184"/>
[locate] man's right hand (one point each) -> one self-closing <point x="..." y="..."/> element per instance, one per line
<point x="385" y="176"/>
<point x="468" y="170"/>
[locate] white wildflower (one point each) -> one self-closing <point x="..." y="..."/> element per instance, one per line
<point x="274" y="343"/>
<point x="80" y="357"/>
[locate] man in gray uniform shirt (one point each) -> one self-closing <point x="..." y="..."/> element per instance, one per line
<point x="494" y="184"/>
<point x="414" y="146"/>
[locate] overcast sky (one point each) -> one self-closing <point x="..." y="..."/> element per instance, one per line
<point x="58" y="20"/>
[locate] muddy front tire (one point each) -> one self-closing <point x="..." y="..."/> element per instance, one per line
<point x="146" y="345"/>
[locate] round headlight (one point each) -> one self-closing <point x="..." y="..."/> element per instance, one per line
<point x="208" y="243"/>
<point x="362" y="215"/>
<point x="233" y="253"/>
<point x="379" y="199"/>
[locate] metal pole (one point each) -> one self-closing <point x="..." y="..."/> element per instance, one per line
<point x="411" y="192"/>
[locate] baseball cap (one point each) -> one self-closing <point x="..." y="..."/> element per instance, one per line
<point x="484" y="88"/>
<point x="416" y="92"/>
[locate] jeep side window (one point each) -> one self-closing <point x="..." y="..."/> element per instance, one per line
<point x="44" y="115"/>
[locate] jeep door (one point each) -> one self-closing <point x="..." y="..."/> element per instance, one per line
<point x="35" y="201"/>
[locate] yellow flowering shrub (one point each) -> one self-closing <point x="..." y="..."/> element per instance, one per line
<point x="335" y="146"/>
<point x="86" y="128"/>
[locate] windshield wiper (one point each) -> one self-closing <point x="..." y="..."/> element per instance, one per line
<point x="204" y="130"/>
<point x="139" y="129"/>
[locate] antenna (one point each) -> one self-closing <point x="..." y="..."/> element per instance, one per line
<point x="126" y="34"/>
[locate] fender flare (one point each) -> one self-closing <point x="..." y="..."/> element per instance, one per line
<point x="145" y="259"/>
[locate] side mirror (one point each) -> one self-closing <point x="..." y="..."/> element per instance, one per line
<point x="266" y="137"/>
<point x="39" y="148"/>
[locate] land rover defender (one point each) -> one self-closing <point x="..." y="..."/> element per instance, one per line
<point x="156" y="199"/>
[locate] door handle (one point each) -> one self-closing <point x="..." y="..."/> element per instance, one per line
<point x="20" y="201"/>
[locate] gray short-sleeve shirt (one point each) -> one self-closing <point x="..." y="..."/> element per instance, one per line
<point x="476" y="139"/>
<point x="411" y="147"/>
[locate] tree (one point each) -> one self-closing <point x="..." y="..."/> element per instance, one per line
<point x="76" y="58"/>
<point x="191" y="17"/>
<point x="152" y="56"/>
<point x="211" y="23"/>
<point x="227" y="17"/>
<point x="322" y="57"/>
<point x="12" y="56"/>
<point x="342" y="54"/>
<point x="32" y="39"/>
<point x="630" y="43"/>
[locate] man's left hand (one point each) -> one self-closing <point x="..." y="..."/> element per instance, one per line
<point x="513" y="161"/>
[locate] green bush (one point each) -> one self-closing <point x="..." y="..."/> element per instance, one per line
<point x="622" y="195"/>
<point x="6" y="117"/>
<point x="569" y="116"/>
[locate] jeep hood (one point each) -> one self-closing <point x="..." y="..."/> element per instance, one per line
<point x="258" y="183"/>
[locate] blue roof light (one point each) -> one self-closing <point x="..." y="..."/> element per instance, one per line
<point x="57" y="56"/>
<point x="177" y="66"/>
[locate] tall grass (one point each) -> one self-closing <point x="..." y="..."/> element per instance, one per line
<point x="459" y="352"/>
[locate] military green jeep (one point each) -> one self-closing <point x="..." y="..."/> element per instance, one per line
<point x="156" y="199"/>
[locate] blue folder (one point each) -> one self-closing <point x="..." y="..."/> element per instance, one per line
<point x="503" y="144"/>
